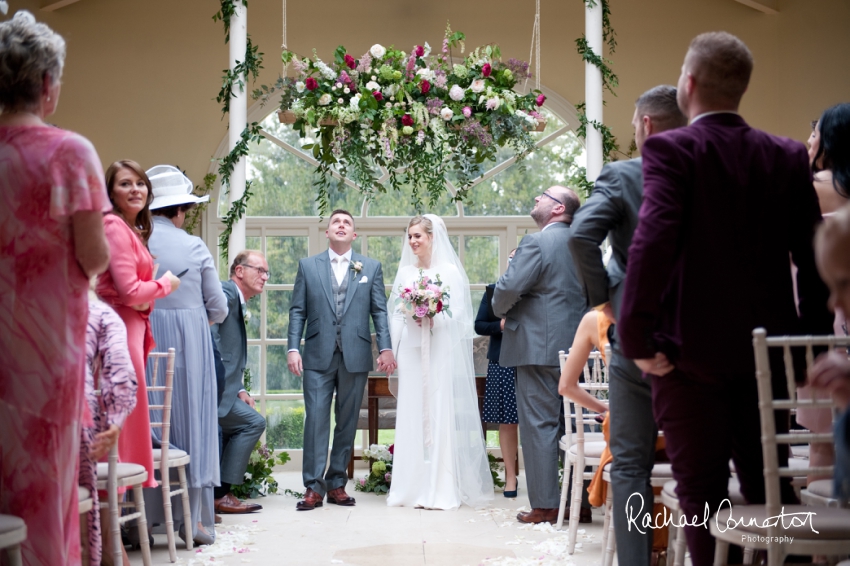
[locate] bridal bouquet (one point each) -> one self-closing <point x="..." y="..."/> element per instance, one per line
<point x="417" y="114"/>
<point x="426" y="297"/>
<point x="380" y="477"/>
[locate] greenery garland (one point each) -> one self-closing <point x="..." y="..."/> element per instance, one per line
<point x="610" y="147"/>
<point x="251" y="66"/>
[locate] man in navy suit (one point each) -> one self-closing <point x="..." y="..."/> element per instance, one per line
<point x="724" y="207"/>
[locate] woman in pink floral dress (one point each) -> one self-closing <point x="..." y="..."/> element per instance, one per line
<point x="129" y="287"/>
<point x="51" y="241"/>
<point x="109" y="369"/>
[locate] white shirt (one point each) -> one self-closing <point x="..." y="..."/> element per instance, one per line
<point x="339" y="264"/>
<point x="704" y="114"/>
<point x="244" y="310"/>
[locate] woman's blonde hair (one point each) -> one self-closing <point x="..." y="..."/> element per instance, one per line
<point x="420" y="220"/>
<point x="28" y="51"/>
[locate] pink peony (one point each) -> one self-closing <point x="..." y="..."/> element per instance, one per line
<point x="424" y="86"/>
<point x="311" y="83"/>
<point x="541" y="99"/>
<point x="349" y="61"/>
<point x="486" y="69"/>
<point x="419" y="51"/>
<point x="406" y="120"/>
<point x="362" y="481"/>
<point x="378" y="96"/>
<point x="421" y="311"/>
<point x="467" y="111"/>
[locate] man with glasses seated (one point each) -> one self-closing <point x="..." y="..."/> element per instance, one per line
<point x="241" y="425"/>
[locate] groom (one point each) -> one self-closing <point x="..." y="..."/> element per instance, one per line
<point x="335" y="294"/>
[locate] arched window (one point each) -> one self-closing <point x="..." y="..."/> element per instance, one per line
<point x="283" y="223"/>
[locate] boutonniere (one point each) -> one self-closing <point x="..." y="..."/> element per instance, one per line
<point x="356" y="267"/>
<point x="246" y="316"/>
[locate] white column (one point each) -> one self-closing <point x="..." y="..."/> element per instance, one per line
<point x="238" y="122"/>
<point x="593" y="89"/>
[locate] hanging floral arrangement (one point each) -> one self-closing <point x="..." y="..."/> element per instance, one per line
<point x="417" y="115"/>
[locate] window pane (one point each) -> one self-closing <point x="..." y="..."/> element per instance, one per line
<point x="254" y="366"/>
<point x="512" y="191"/>
<point x="475" y="295"/>
<point x="277" y="313"/>
<point x="285" y="423"/>
<point x="455" y="240"/>
<point x="387" y="250"/>
<point x="251" y="243"/>
<point x="252" y="326"/>
<point x="482" y="259"/>
<point x="283" y="253"/>
<point x="398" y="203"/>
<point x="278" y="377"/>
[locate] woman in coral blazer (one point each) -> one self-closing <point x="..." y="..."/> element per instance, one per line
<point x="129" y="287"/>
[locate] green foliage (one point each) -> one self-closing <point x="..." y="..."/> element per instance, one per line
<point x="227" y="10"/>
<point x="236" y="212"/>
<point x="247" y="379"/>
<point x="609" y="79"/>
<point x="289" y="428"/>
<point x="610" y="147"/>
<point x="193" y="217"/>
<point x="495" y="468"/>
<point x="258" y="475"/>
<point x="608" y="34"/>
<point x="233" y="78"/>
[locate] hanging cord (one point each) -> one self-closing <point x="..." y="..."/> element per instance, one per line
<point x="283" y="45"/>
<point x="534" y="53"/>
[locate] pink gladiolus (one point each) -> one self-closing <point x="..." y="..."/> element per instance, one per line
<point x="486" y="69"/>
<point x="311" y="83"/>
<point x="467" y="111"/>
<point x="541" y="99"/>
<point x="420" y="51"/>
<point x="349" y="61"/>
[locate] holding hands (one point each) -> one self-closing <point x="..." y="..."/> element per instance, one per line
<point x="386" y="362"/>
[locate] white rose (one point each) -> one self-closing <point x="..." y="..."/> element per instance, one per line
<point x="373" y="86"/>
<point x="426" y="74"/>
<point x="340" y="100"/>
<point x="346" y="90"/>
<point x="477" y="85"/>
<point x="355" y="102"/>
<point x="300" y="86"/>
<point x="324" y="100"/>
<point x="446" y="113"/>
<point x="378" y="51"/>
<point x="456" y="93"/>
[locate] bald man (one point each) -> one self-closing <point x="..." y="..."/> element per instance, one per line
<point x="542" y="302"/>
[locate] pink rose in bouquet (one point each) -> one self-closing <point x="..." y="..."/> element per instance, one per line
<point x="349" y="61"/>
<point x="486" y="69"/>
<point x="311" y="83"/>
<point x="426" y="298"/>
<point x="407" y="120"/>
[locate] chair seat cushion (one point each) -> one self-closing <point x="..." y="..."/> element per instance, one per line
<point x="591" y="449"/>
<point x="82" y="493"/>
<point x="734" y="488"/>
<point x="10" y="523"/>
<point x="824" y="488"/>
<point x="173" y="454"/>
<point x="123" y="470"/>
<point x="830" y="524"/>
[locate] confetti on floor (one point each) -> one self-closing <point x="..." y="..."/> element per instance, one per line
<point x="235" y="539"/>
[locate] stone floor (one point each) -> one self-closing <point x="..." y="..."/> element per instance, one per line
<point x="372" y="533"/>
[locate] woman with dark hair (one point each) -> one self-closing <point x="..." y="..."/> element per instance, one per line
<point x="129" y="287"/>
<point x="829" y="152"/>
<point x="182" y="321"/>
<point x="51" y="232"/>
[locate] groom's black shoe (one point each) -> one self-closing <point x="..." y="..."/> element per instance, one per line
<point x="339" y="497"/>
<point x="310" y="502"/>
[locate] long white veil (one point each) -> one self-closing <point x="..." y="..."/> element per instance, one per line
<point x="450" y="358"/>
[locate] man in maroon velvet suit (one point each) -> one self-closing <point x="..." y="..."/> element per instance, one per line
<point x="724" y="207"/>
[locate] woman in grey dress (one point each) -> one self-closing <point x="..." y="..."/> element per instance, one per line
<point x="181" y="321"/>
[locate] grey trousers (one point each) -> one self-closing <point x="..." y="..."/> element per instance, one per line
<point x="632" y="442"/>
<point x="241" y="428"/>
<point x="539" y="408"/>
<point x="319" y="388"/>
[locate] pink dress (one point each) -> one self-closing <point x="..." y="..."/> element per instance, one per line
<point x="46" y="175"/>
<point x="128" y="282"/>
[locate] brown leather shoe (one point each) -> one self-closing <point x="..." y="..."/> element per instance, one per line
<point x="538" y="516"/>
<point x="229" y="504"/>
<point x="339" y="497"/>
<point x="310" y="502"/>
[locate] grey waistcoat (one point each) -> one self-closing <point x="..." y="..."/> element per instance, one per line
<point x="339" y="301"/>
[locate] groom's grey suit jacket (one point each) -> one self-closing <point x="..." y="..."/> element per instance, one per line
<point x="232" y="342"/>
<point x="313" y="310"/>
<point x="541" y="299"/>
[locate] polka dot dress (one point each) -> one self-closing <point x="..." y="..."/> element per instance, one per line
<point x="500" y="395"/>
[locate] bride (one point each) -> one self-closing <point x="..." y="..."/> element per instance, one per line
<point x="439" y="460"/>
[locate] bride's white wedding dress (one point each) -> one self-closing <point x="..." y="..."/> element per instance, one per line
<point x="439" y="460"/>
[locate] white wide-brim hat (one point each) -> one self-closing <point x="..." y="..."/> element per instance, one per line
<point x="171" y="187"/>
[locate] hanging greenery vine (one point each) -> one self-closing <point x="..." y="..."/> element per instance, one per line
<point x="231" y="80"/>
<point x="610" y="147"/>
